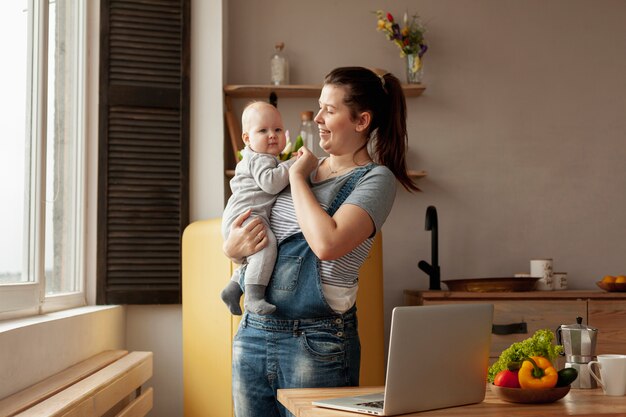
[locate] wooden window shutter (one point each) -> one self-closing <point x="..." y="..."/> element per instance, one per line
<point x="143" y="191"/>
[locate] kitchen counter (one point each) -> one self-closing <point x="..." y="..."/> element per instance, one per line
<point x="413" y="295"/>
<point x="517" y="315"/>
<point x="576" y="403"/>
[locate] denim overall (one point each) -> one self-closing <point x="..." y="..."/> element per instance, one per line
<point x="304" y="343"/>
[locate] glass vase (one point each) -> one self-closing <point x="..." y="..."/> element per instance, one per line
<point x="414" y="69"/>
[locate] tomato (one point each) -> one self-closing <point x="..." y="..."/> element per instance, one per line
<point x="506" y="378"/>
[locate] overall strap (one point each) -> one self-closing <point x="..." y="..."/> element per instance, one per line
<point x="347" y="188"/>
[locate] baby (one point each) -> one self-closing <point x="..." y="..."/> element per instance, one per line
<point x="259" y="177"/>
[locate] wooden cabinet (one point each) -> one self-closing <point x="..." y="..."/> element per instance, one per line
<point x="609" y="316"/>
<point x="517" y="315"/>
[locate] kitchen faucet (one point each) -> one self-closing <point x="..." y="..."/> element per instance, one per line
<point x="433" y="270"/>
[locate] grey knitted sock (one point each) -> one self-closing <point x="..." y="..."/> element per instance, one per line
<point x="231" y="294"/>
<point x="254" y="300"/>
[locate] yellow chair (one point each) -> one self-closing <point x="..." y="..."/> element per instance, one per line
<point x="208" y="327"/>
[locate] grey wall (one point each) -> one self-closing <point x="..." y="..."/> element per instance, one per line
<point x="521" y="131"/>
<point x="521" y="127"/>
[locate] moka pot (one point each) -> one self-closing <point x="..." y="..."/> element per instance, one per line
<point x="579" y="348"/>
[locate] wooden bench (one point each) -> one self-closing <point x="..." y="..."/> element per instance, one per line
<point x="108" y="384"/>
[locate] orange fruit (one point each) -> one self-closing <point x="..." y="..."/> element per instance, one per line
<point x="609" y="279"/>
<point x="620" y="279"/>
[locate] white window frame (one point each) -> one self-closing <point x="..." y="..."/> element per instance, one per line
<point x="29" y="298"/>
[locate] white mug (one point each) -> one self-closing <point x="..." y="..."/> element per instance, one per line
<point x="542" y="269"/>
<point x="612" y="373"/>
<point x="559" y="280"/>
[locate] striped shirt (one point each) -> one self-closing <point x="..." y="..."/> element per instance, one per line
<point x="374" y="193"/>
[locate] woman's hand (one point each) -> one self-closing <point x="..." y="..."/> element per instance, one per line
<point x="329" y="237"/>
<point x="244" y="240"/>
<point x="305" y="163"/>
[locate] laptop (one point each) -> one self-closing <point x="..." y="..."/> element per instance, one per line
<point x="438" y="358"/>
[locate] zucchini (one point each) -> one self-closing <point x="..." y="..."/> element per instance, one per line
<point x="566" y="377"/>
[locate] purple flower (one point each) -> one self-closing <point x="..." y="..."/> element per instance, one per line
<point x="396" y="31"/>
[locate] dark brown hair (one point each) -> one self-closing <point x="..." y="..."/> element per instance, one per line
<point x="382" y="96"/>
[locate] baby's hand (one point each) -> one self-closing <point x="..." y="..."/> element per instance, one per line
<point x="305" y="163"/>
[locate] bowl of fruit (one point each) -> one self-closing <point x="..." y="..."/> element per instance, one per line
<point x="613" y="283"/>
<point x="525" y="373"/>
<point x="546" y="391"/>
<point x="530" y="396"/>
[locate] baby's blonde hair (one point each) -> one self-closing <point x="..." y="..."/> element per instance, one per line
<point x="252" y="107"/>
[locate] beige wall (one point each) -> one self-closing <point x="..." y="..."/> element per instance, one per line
<point x="518" y="129"/>
<point x="521" y="127"/>
<point x="159" y="328"/>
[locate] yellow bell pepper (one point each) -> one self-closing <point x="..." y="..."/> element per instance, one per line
<point x="537" y="372"/>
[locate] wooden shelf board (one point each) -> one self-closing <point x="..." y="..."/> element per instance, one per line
<point x="413" y="174"/>
<point x="416" y="174"/>
<point x="515" y="295"/>
<point x="413" y="90"/>
<point x="297" y="90"/>
<point x="263" y="91"/>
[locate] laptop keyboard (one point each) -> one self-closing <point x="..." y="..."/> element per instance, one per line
<point x="373" y="404"/>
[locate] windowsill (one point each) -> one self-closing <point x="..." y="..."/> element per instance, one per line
<point x="22" y="301"/>
<point x="12" y="324"/>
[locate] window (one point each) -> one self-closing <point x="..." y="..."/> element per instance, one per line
<point x="42" y="155"/>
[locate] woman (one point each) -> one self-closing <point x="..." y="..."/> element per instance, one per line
<point x="324" y="223"/>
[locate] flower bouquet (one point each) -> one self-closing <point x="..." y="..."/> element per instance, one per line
<point x="409" y="37"/>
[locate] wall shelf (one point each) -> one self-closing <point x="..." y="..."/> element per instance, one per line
<point x="272" y="93"/>
<point x="412" y="174"/>
<point x="297" y="90"/>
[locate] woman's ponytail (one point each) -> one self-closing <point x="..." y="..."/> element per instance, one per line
<point x="381" y="94"/>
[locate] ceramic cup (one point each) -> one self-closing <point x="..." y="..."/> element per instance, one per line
<point x="612" y="377"/>
<point x="559" y="281"/>
<point x="542" y="269"/>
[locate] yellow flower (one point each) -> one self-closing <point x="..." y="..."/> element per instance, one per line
<point x="417" y="64"/>
<point x="408" y="36"/>
<point x="288" y="147"/>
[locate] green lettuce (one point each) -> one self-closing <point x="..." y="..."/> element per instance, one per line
<point x="539" y="344"/>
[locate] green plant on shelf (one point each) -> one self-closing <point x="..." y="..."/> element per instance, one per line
<point x="287" y="152"/>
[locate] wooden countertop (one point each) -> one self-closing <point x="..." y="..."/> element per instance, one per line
<point x="522" y="295"/>
<point x="579" y="402"/>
